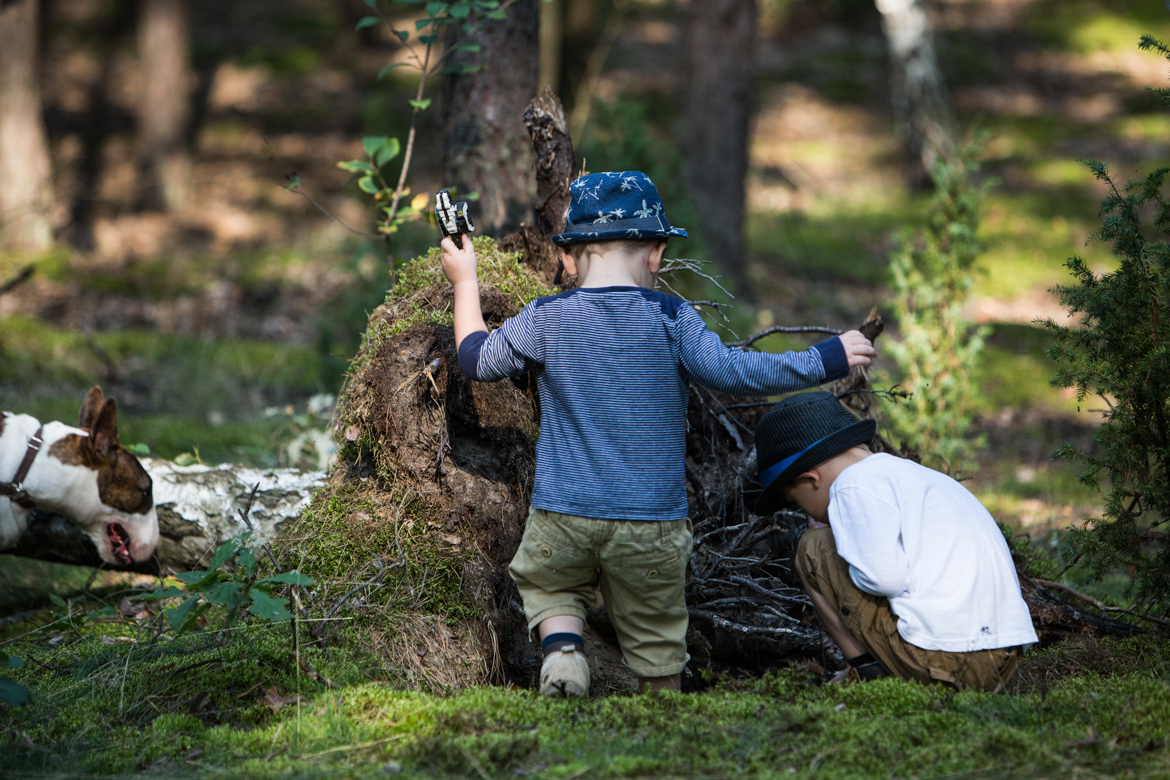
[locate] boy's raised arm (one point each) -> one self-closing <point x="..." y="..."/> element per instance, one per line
<point x="459" y="266"/>
<point x="711" y="363"/>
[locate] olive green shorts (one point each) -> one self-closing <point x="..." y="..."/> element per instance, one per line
<point x="872" y="623"/>
<point x="641" y="566"/>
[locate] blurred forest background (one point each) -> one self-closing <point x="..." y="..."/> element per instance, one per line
<point x="150" y="243"/>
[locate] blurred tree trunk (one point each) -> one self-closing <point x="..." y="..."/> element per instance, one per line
<point x="552" y="36"/>
<point x="924" y="119"/>
<point x="720" y="43"/>
<point x="165" y="108"/>
<point x="26" y="197"/>
<point x="485" y="144"/>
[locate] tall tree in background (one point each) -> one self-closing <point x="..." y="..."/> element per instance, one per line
<point x="486" y="147"/>
<point x="26" y="197"/>
<point x="720" y="44"/>
<point x="165" y="108"/>
<point x="925" y="122"/>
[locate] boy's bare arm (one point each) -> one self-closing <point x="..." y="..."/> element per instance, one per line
<point x="858" y="349"/>
<point x="459" y="266"/>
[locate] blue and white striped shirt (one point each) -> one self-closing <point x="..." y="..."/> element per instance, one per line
<point x="613" y="368"/>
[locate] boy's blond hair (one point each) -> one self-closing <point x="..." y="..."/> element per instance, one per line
<point x="631" y="245"/>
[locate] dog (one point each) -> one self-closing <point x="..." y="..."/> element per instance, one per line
<point x="82" y="473"/>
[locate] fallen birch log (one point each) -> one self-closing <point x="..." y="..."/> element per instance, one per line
<point x="198" y="508"/>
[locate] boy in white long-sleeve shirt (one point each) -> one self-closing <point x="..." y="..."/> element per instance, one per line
<point x="912" y="577"/>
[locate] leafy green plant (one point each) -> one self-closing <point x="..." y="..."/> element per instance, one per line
<point x="232" y="587"/>
<point x="939" y="348"/>
<point x="1120" y="353"/>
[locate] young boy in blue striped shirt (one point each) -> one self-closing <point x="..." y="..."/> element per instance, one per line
<point x="614" y="359"/>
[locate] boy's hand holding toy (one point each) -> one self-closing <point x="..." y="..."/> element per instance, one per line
<point x="459" y="263"/>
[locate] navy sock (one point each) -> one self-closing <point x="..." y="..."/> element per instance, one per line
<point x="553" y="643"/>
<point x="861" y="660"/>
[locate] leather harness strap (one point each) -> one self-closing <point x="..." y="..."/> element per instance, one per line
<point x="15" y="489"/>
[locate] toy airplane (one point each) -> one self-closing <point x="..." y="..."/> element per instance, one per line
<point x="452" y="217"/>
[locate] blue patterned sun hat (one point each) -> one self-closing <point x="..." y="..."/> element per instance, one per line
<point x="609" y="206"/>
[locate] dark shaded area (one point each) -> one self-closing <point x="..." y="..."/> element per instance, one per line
<point x="52" y="537"/>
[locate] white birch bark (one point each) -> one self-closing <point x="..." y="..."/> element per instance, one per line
<point x="925" y="123"/>
<point x="198" y="509"/>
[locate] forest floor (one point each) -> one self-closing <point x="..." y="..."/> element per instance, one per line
<point x="115" y="696"/>
<point x="215" y="327"/>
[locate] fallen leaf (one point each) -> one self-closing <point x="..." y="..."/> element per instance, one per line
<point x="275" y="701"/>
<point x="198" y="702"/>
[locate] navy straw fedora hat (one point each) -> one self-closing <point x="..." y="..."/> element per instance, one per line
<point x="608" y="206"/>
<point x="797" y="434"/>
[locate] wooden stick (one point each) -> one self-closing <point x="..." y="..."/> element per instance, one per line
<point x="785" y="329"/>
<point x="1098" y="604"/>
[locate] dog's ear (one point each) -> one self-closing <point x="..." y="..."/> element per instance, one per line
<point x="90" y="408"/>
<point x="104" y="433"/>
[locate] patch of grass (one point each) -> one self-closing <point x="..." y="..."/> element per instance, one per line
<point x="1153" y="128"/>
<point x="175" y="392"/>
<point x="283" y="60"/>
<point x="840" y="75"/>
<point x="1030" y="235"/>
<point x="26" y="583"/>
<point x="838" y="243"/>
<point x="1087" y="26"/>
<point x="1098" y="709"/>
<point x="1019" y="381"/>
<point x="1014" y="373"/>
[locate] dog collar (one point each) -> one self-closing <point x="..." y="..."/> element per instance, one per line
<point x="15" y="489"/>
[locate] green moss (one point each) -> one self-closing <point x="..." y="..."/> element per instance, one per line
<point x="1094" y="724"/>
<point x="348" y="528"/>
<point x="502" y="270"/>
<point x="413" y="302"/>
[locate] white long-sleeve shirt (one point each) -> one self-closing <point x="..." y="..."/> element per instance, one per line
<point x="920" y="538"/>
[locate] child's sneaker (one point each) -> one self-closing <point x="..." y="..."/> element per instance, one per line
<point x="565" y="673"/>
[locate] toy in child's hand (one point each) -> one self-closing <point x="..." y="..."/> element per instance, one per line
<point x="452" y="217"/>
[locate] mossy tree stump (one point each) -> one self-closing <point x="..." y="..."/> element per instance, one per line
<point x="427" y="505"/>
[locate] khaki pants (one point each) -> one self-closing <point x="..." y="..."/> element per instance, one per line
<point x="871" y="622"/>
<point x="641" y="566"/>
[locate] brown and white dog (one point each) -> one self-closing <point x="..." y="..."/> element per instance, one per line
<point x="82" y="473"/>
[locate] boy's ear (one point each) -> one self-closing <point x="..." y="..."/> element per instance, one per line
<point x="654" y="261"/>
<point x="569" y="260"/>
<point x="812" y="475"/>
